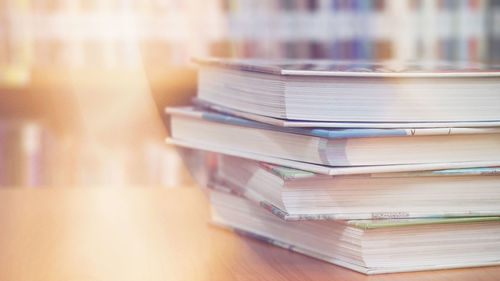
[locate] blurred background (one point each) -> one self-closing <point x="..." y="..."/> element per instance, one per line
<point x="83" y="83"/>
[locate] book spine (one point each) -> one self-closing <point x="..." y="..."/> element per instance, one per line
<point x="3" y="155"/>
<point x="31" y="138"/>
<point x="333" y="152"/>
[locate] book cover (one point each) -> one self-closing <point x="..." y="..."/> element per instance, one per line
<point x="327" y="133"/>
<point x="386" y="69"/>
<point x="330" y="170"/>
<point x="403" y="217"/>
<point x="287" y="173"/>
<point x="431" y="127"/>
<point x="314" y="254"/>
<point x="366" y="226"/>
<point x="383" y="223"/>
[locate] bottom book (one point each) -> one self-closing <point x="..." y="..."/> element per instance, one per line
<point x="369" y="246"/>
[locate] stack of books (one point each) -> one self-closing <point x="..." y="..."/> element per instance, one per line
<point x="375" y="167"/>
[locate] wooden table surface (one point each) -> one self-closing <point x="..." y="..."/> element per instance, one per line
<point x="112" y="234"/>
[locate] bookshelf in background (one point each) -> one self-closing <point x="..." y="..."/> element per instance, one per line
<point x="117" y="35"/>
<point x="131" y="33"/>
<point x="353" y="29"/>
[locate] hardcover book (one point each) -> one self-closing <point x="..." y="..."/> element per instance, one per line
<point x="337" y="147"/>
<point x="369" y="246"/>
<point x="293" y="194"/>
<point x="352" y="91"/>
<point x="438" y="126"/>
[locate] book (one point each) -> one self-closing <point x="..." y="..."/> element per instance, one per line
<point x="369" y="246"/>
<point x="294" y="194"/>
<point x="334" y="147"/>
<point x="437" y="126"/>
<point x="321" y="169"/>
<point x="352" y="91"/>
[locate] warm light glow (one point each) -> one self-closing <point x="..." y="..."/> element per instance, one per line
<point x="94" y="75"/>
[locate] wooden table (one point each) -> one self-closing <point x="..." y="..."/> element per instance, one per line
<point x="112" y="234"/>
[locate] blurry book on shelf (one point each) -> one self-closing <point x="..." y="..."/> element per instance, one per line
<point x="368" y="246"/>
<point x="25" y="147"/>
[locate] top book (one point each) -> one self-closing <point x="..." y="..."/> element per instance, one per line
<point x="352" y="91"/>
